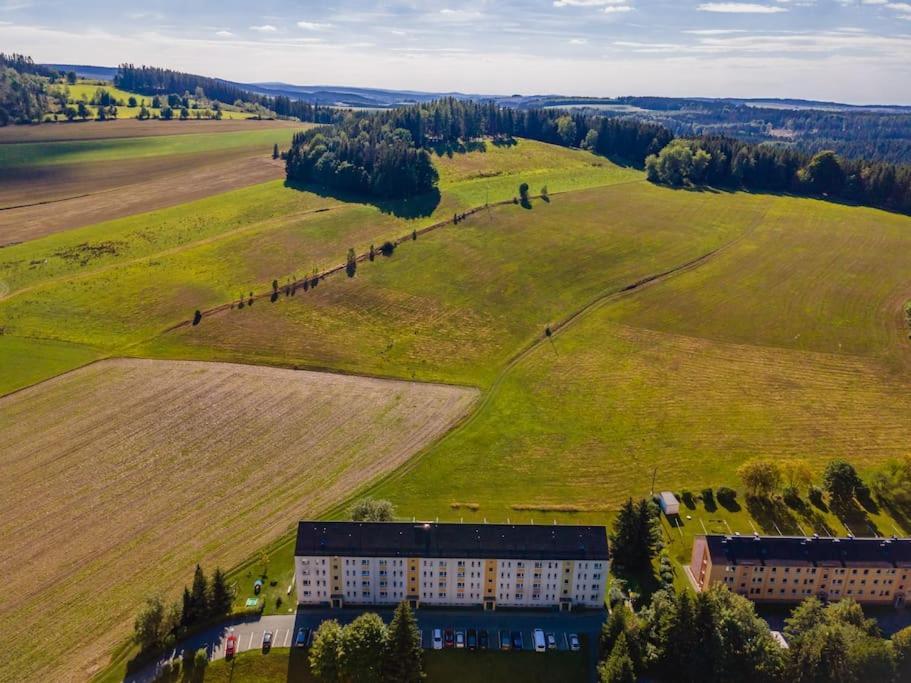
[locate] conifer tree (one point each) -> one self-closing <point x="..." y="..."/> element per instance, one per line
<point x="403" y="655"/>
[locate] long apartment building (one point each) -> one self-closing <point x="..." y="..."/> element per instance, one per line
<point x="874" y="571"/>
<point x="458" y="565"/>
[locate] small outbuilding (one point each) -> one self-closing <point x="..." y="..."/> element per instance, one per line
<point x="669" y="503"/>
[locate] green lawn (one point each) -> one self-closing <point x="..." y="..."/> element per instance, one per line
<point x="79" y="151"/>
<point x="282" y="665"/>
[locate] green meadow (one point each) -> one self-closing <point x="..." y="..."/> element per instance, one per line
<point x="119" y="283"/>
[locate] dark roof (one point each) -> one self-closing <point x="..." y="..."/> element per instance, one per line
<point x="423" y="539"/>
<point x="811" y="550"/>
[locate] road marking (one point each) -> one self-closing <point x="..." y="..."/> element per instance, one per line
<point x="287" y="637"/>
<point x="250" y="646"/>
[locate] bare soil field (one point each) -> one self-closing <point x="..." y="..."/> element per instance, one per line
<point x="48" y="199"/>
<point x="129" y="128"/>
<point x="117" y="478"/>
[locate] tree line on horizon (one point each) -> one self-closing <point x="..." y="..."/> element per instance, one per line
<point x="150" y="80"/>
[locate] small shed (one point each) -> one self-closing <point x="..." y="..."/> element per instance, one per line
<point x="669" y="503"/>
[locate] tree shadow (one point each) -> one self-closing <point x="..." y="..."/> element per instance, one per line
<point x="449" y="149"/>
<point x="855" y="518"/>
<point x="420" y="206"/>
<point x="899" y="513"/>
<point x="298" y="661"/>
<point x="772" y="516"/>
<point x="501" y="141"/>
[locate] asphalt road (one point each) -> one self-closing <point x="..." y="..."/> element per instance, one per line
<point x="284" y="629"/>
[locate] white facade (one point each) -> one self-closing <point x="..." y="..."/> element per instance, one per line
<point x="467" y="582"/>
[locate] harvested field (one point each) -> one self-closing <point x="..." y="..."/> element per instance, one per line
<point x="69" y="196"/>
<point x="117" y="478"/>
<point x="129" y="128"/>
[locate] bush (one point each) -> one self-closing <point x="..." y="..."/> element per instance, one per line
<point x="814" y="493"/>
<point x="688" y="499"/>
<point x="387" y="248"/>
<point x="726" y="496"/>
<point x="201" y="659"/>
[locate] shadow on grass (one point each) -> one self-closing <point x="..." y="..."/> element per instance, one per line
<point x="901" y="514"/>
<point x="420" y="206"/>
<point x="855" y="518"/>
<point x="772" y="516"/>
<point x="642" y="582"/>
<point x="449" y="149"/>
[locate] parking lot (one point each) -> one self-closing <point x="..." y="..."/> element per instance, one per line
<point x="284" y="629"/>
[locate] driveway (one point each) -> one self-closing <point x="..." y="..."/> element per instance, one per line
<point x="284" y="628"/>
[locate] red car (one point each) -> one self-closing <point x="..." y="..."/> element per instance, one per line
<point x="231" y="646"/>
<point x="448" y="639"/>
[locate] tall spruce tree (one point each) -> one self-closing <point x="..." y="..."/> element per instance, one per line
<point x="220" y="595"/>
<point x="404" y="663"/>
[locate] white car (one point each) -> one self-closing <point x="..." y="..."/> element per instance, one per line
<point x="460" y="639"/>
<point x="540" y="643"/>
<point x="574" y="642"/>
<point x="437" y="639"/>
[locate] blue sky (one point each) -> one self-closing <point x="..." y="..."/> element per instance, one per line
<point x="847" y="50"/>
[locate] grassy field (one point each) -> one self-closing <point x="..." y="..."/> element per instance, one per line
<point x="174" y="463"/>
<point x="456" y="304"/>
<point x="130" y="128"/>
<point x="120" y="282"/>
<point x="112" y="149"/>
<point x="85" y="90"/>
<point x="442" y="666"/>
<point x="814" y="276"/>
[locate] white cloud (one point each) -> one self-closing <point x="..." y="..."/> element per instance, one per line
<point x="587" y="3"/>
<point x="874" y="2"/>
<point x="578" y="41"/>
<point x="313" y="26"/>
<point x="612" y="9"/>
<point x="739" y="8"/>
<point x="713" y="31"/>
<point x="459" y="14"/>
<point x="224" y="34"/>
<point x="265" y="28"/>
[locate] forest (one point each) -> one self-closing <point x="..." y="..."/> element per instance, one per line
<point x="386" y="153"/>
<point x="23" y="97"/>
<point x="149" y="80"/>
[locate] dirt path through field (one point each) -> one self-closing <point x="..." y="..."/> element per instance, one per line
<point x="115" y="479"/>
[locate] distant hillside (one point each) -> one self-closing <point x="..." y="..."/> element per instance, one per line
<point x="879" y="132"/>
<point x="101" y="73"/>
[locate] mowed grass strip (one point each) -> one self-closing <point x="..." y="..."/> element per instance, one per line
<point x="814" y="275"/>
<point x="79" y="151"/>
<point x="117" y="478"/>
<point x="585" y="421"/>
<point x="25" y="361"/>
<point x="456" y="304"/>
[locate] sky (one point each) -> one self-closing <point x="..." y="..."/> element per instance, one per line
<point x="856" y="51"/>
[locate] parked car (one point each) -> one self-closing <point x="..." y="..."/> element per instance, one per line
<point x="551" y="641"/>
<point x="472" y="639"/>
<point x="437" y="639"/>
<point x="540" y="643"/>
<point x="574" y="642"/>
<point x="303" y="637"/>
<point x="504" y="640"/>
<point x="460" y="638"/>
<point x="231" y="646"/>
<point x="517" y="640"/>
<point x="448" y="638"/>
<point x="483" y="639"/>
<point x="267" y="641"/>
